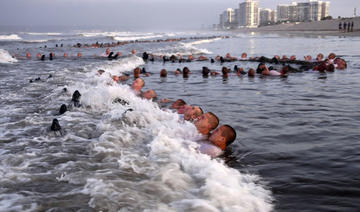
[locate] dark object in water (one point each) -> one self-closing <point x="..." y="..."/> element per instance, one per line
<point x="143" y="70"/>
<point x="235" y="68"/>
<point x="145" y="56"/>
<point x="31" y="81"/>
<point x="212" y="60"/>
<point x="63" y="109"/>
<point x="55" y="126"/>
<point x="205" y="71"/>
<point x="222" y="60"/>
<point x="76" y="98"/>
<point x="322" y="77"/>
<point x="49" y="76"/>
<point x="121" y="101"/>
<point x="50" y="56"/>
<point x="42" y="57"/>
<point x="65" y="89"/>
<point x="37" y="79"/>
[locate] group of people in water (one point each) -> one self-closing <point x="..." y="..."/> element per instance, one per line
<point x="121" y="43"/>
<point x="218" y="138"/>
<point x="206" y="123"/>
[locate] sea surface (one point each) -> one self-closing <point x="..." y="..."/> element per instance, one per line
<point x="297" y="145"/>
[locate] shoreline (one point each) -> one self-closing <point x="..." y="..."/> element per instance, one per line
<point x="317" y="28"/>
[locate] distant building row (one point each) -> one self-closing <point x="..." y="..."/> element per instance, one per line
<point x="249" y="15"/>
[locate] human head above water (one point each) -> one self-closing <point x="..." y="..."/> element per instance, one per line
<point x="163" y="73"/>
<point x="137" y="72"/>
<point x="206" y="123"/>
<point x="138" y="84"/>
<point x="192" y="112"/>
<point x="149" y="94"/>
<point x="223" y="136"/>
<point x="177" y="104"/>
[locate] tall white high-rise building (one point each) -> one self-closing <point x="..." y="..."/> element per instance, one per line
<point x="227" y="18"/>
<point x="325" y="9"/>
<point x="283" y="12"/>
<point x="265" y="16"/>
<point x="313" y="10"/>
<point x="249" y="13"/>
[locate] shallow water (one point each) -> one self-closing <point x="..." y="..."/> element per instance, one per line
<point x="297" y="138"/>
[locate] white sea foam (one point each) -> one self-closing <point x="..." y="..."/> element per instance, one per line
<point x="10" y="37"/>
<point x="187" y="48"/>
<point x="5" y="57"/>
<point x="116" y="67"/>
<point x="10" y="202"/>
<point x="158" y="154"/>
<point x="35" y="41"/>
<point x="132" y="38"/>
<point x="198" y="42"/>
<point x="45" y="33"/>
<point x="110" y="34"/>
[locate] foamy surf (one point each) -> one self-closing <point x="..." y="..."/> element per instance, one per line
<point x="45" y="33"/>
<point x="137" y="38"/>
<point x="5" y="57"/>
<point x="10" y="37"/>
<point x="156" y="164"/>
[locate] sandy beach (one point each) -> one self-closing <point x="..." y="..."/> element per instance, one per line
<point x="326" y="28"/>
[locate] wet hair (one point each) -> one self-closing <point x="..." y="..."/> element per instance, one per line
<point x="178" y="103"/>
<point x="275" y="60"/>
<point x="259" y="70"/>
<point x="100" y="71"/>
<point x="332" y="55"/>
<point x="205" y="71"/>
<point x="213" y="120"/>
<point x="222" y="59"/>
<point x="251" y="72"/>
<point x="212" y="60"/>
<point x="229" y="134"/>
<point x="142" y="81"/>
<point x="137" y="72"/>
<point x="163" y="73"/>
<point x="186" y="71"/>
<point x="225" y="70"/>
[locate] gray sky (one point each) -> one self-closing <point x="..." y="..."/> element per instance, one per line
<point x="134" y="14"/>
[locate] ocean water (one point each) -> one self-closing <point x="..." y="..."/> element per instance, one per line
<point x="297" y="146"/>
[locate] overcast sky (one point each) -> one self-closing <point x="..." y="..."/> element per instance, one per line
<point x="134" y="14"/>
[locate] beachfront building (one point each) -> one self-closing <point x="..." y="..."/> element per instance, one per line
<point x="293" y="12"/>
<point x="274" y="16"/>
<point x="249" y="14"/>
<point x="303" y="12"/>
<point x="266" y="17"/>
<point x="283" y="12"/>
<point x="313" y="10"/>
<point x="325" y="9"/>
<point x="227" y="19"/>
